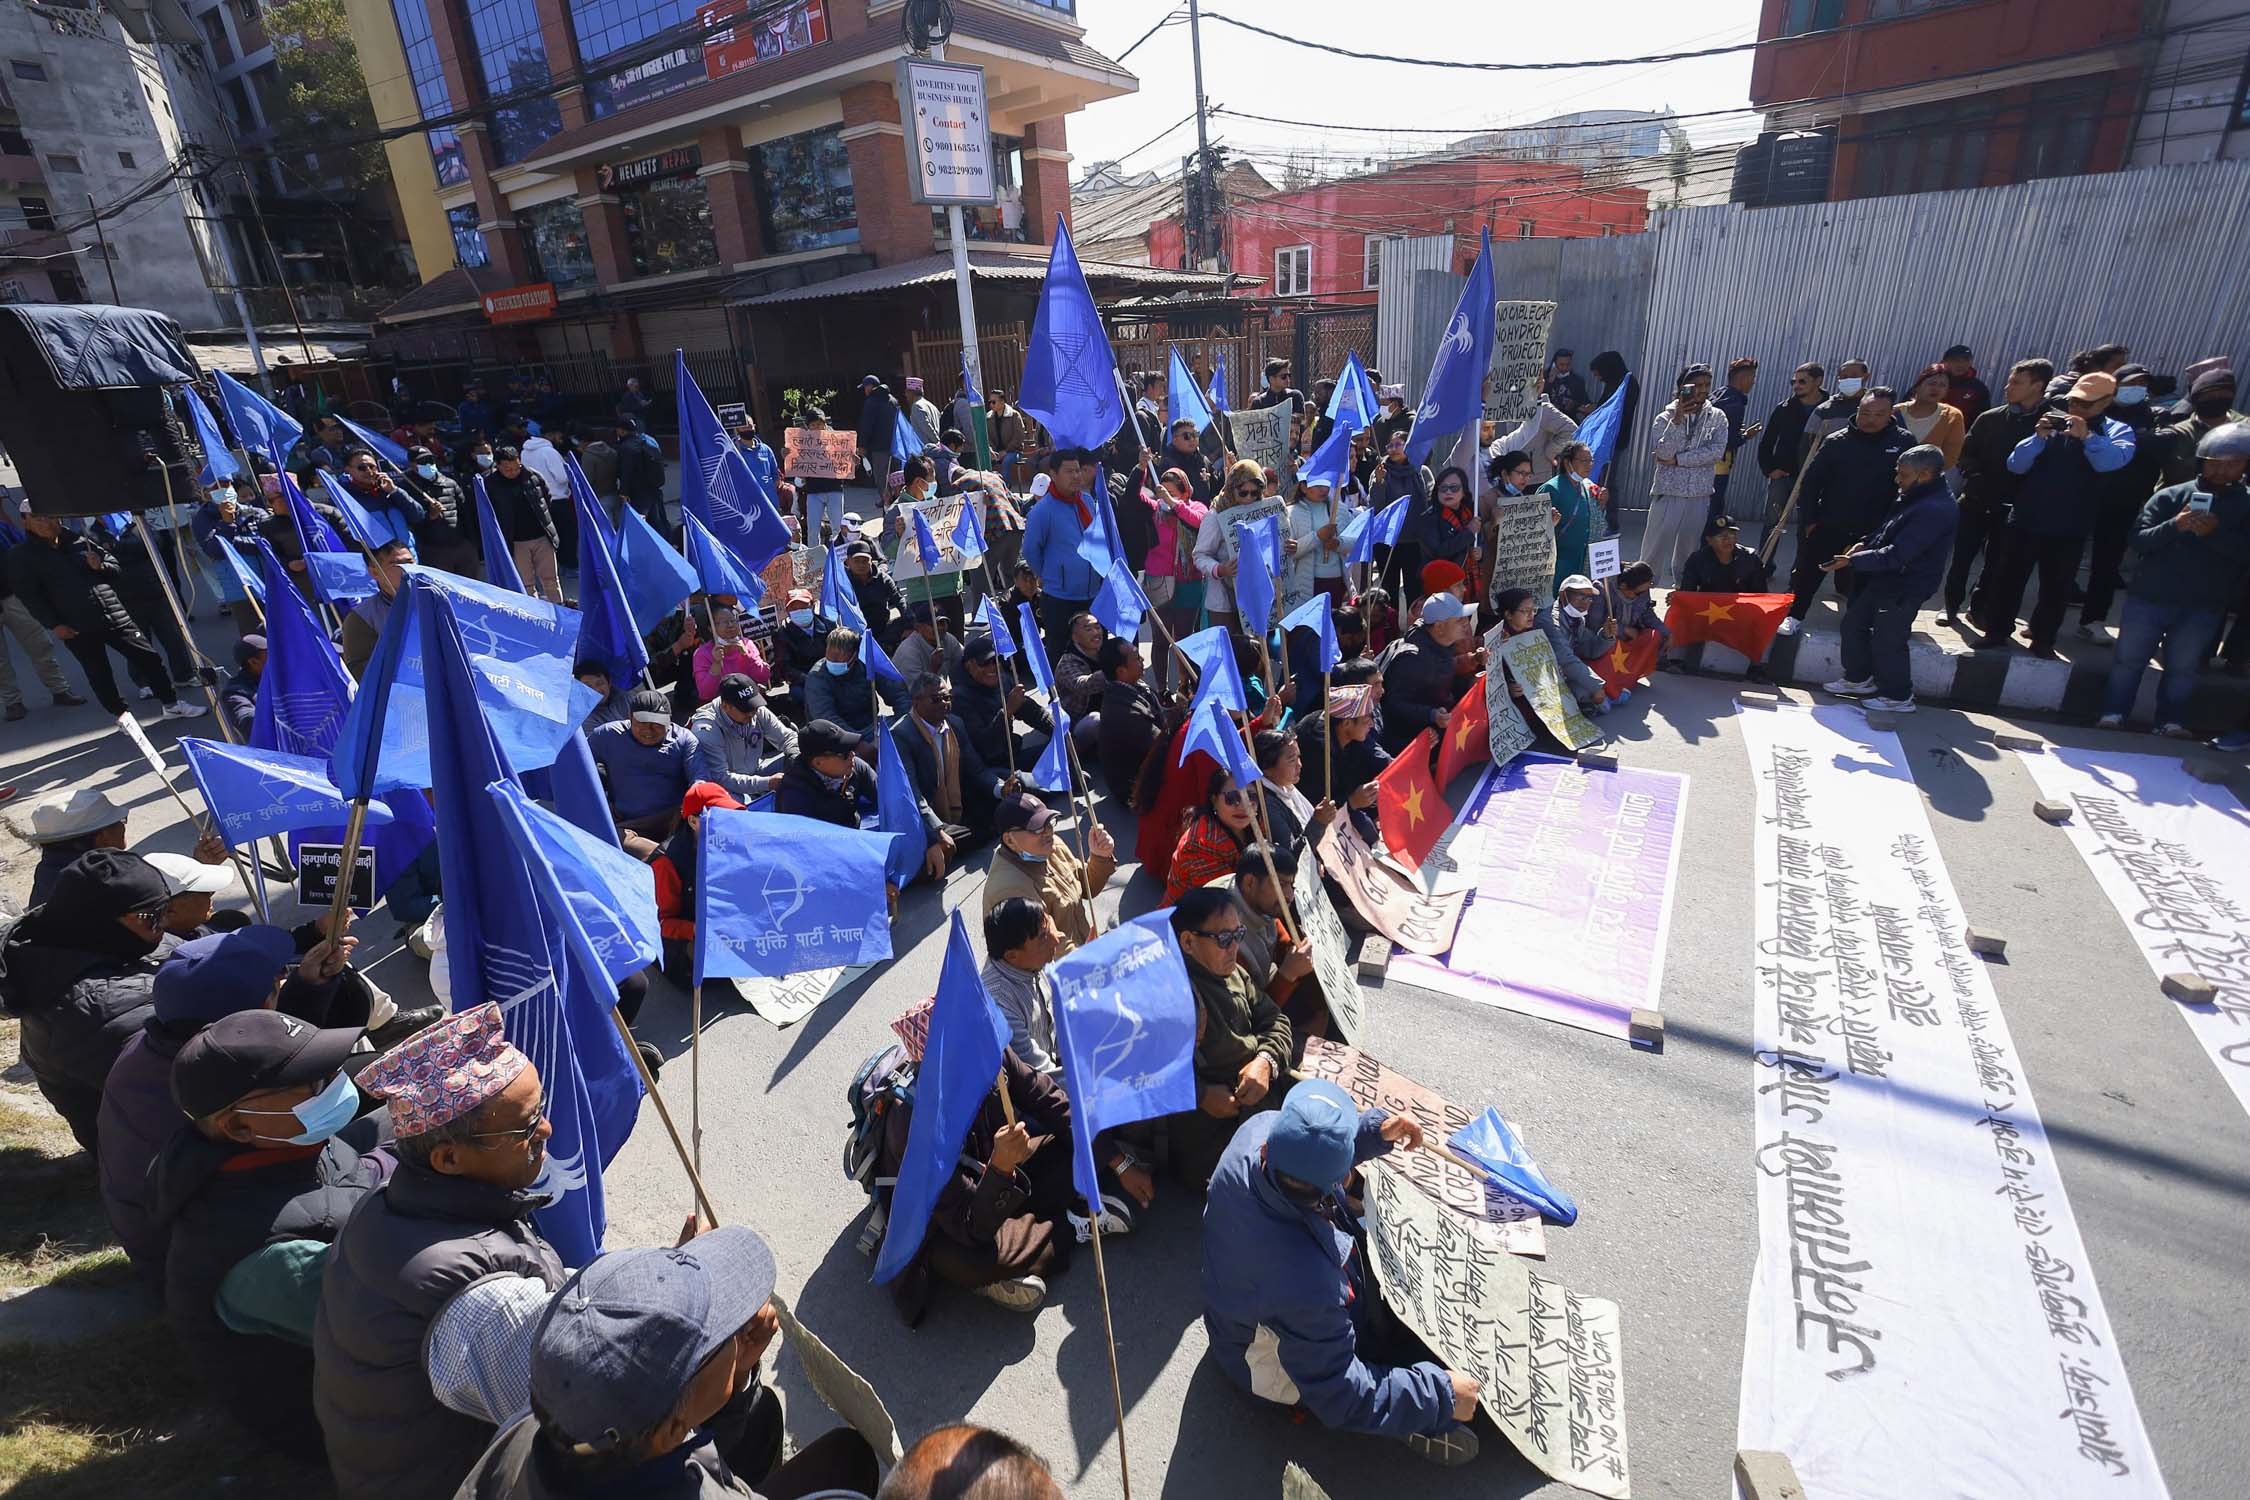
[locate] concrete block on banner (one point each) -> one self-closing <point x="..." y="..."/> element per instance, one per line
<point x="1374" y="959"/>
<point x="2023" y="742"/>
<point x="1646" y="1029"/>
<point x="1597" y="760"/>
<point x="1753" y="698"/>
<point x="1985" y="943"/>
<point x="2051" y="812"/>
<point x="1878" y="718"/>
<point x="1767" y="1476"/>
<point x="2213" y="771"/>
<point x="2190" y="988"/>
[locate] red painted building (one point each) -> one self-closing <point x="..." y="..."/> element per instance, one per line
<point x="1320" y="242"/>
<point x="1918" y="95"/>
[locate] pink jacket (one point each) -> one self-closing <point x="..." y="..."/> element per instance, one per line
<point x="1169" y="557"/>
<point x="711" y="666"/>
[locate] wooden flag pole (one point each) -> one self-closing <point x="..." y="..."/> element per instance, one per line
<point x="656" y="1097"/>
<point x="1007" y="1105"/>
<point x="340" y="907"/>
<point x="1109" y="1331"/>
<point x="1327" y="738"/>
<point x="1256" y="796"/>
<point x="695" y="1071"/>
<point x="1082" y="812"/>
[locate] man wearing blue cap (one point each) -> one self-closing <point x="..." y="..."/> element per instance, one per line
<point x="251" y="968"/>
<point x="637" y="1367"/>
<point x="1293" y="1316"/>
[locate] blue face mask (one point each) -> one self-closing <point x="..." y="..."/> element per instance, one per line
<point x="323" y="1114"/>
<point x="2131" y="395"/>
<point x="801" y="618"/>
<point x="837" y="667"/>
<point x="427" y="471"/>
<point x="484" y="460"/>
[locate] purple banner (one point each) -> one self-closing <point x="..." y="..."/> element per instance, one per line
<point x="1570" y="878"/>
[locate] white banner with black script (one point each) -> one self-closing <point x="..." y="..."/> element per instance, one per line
<point x="2173" y="855"/>
<point x="1923" y="1314"/>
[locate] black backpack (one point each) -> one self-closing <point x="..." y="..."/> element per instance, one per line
<point x="884" y="1080"/>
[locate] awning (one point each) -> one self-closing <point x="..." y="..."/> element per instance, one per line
<point x="229" y="350"/>
<point x="1105" y="278"/>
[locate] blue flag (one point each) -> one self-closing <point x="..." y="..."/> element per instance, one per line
<point x="1052" y="772"/>
<point x="1183" y="401"/>
<point x="779" y="894"/>
<point x="230" y="557"/>
<point x="602" y="898"/>
<point x="606" y="632"/>
<point x="582" y="493"/>
<point x="1211" y="731"/>
<point x="1122" y="604"/>
<point x="1372" y="528"/>
<point x="703" y="443"/>
<point x="878" y="661"/>
<point x="499" y="560"/>
<point x="657" y="578"/>
<point x="256" y="421"/>
<point x="219" y="461"/>
<point x="502" y="947"/>
<point x="837" y="600"/>
<point x="1317" y="614"/>
<point x="1069" y="374"/>
<point x="574" y="784"/>
<point x="1453" y="396"/>
<point x="377" y="444"/>
<point x="1097" y="544"/>
<point x="314" y="534"/>
<point x="898" y="810"/>
<point x="740" y="515"/>
<point x="1218" y="675"/>
<point x="1599" y="430"/>
<point x="252" y="793"/>
<point x="1042" y="671"/>
<point x="1489" y="1140"/>
<point x="925" y="542"/>
<point x="997" y="623"/>
<point x="1218" y="391"/>
<point x="1354" y="401"/>
<point x="906" y="443"/>
<point x="342" y="578"/>
<point x="1253" y="578"/>
<point x="968" y="528"/>
<point x="367" y="527"/>
<point x="960" y="1061"/>
<point x="1125" y="1027"/>
<point x="717" y="569"/>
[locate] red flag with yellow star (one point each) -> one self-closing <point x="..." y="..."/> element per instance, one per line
<point x="1407" y="805"/>
<point x="1747" y="622"/>
<point x="1626" y="662"/>
<point x="1468" y="736"/>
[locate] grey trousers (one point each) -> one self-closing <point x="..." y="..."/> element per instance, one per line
<point x="37" y="645"/>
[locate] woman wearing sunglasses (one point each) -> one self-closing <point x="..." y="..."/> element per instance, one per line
<point x="1213" y="840"/>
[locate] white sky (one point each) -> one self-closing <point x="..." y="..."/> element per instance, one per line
<point x="1261" y="76"/>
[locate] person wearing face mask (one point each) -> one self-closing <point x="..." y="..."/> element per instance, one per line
<point x="799" y="645"/>
<point x="1574" y="499"/>
<point x="1578" y="638"/>
<point x="841" y="690"/>
<point x="1988" y="487"/>
<point x="252" y="1193"/>
<point x="225" y="519"/>
<point x="728" y="653"/>
<point x="2059" y="469"/>
<point x="2209" y="406"/>
<point x="2118" y="500"/>
<point x="439" y="536"/>
<point x="1036" y="863"/>
<point x="1853" y="377"/>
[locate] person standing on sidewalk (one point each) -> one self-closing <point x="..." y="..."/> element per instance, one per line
<point x="1898" y="567"/>
<point x="1689" y="438"/>
<point x="1845" y="491"/>
<point x="36" y="645"/>
<point x="2059" y="468"/>
<point x="2122" y="494"/>
<point x="524" y="507"/>
<point x="69" y="585"/>
<point x="1734" y="402"/>
<point x="1784" y="446"/>
<point x="1988" y="486"/>
<point x="2192" y="543"/>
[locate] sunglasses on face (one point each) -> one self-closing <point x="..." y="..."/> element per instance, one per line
<point x="1225" y="937"/>
<point x="1232" y="798"/>
<point x="522" y="1134"/>
<point x="1249" y="489"/>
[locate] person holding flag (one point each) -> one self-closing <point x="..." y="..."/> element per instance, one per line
<point x="1063" y="544"/>
<point x="1418" y="682"/>
<point x="1217" y="550"/>
<point x="1035" y="862"/>
<point x="1244" y="1046"/>
<point x="843" y="690"/>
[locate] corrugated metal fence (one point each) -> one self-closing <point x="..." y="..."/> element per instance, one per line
<point x="1599" y="288"/>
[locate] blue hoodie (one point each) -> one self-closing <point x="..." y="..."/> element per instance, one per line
<point x="1910" y="549"/>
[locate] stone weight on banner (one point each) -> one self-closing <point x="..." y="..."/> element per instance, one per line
<point x="1374" y="959"/>
<point x="1878" y="718"/>
<point x="1766" y="1476"/>
<point x="2215" y="772"/>
<point x="2190" y="988"/>
<point x="2051" y="812"/>
<point x="1597" y="760"/>
<point x="2023" y="742"/>
<point x="1647" y="1029"/>
<point x="1985" y="943"/>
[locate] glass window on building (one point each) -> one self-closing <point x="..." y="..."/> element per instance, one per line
<point x="513" y="55"/>
<point x="419" y="40"/>
<point x="468" y="240"/>
<point x="604" y="27"/>
<point x="560" y="253"/>
<point x="668" y="226"/>
<point x="1001" y="220"/>
<point x="805" y="192"/>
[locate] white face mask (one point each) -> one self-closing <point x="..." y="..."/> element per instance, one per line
<point x="1849" y="385"/>
<point x="1574" y="611"/>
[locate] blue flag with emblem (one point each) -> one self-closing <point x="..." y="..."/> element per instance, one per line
<point x="1453" y="395"/>
<point x="1042" y="671"/>
<point x="703" y="441"/>
<point x="369" y="528"/>
<point x="1120" y="604"/>
<point x="1211" y="731"/>
<point x="253" y="583"/>
<point x="778" y="894"/>
<point x="377" y="444"/>
<point x="342" y="578"/>
<point x="1183" y="400"/>
<point x="503" y="947"/>
<point x="314" y="534"/>
<point x="1125" y="1029"/>
<point x="1317" y="614"/>
<point x="253" y="792"/>
<point x="1600" y="429"/>
<point x="906" y="443"/>
<point x="925" y="542"/>
<point x="898" y="810"/>
<point x="1372" y="528"/>
<point x="968" y="527"/>
<point x="602" y="898"/>
<point x="1353" y="402"/>
<point x="997" y="623"/>
<point x="740" y="514"/>
<point x="1069" y="374"/>
<point x="1253" y="578"/>
<point x="960" y="1059"/>
<point x="499" y="559"/>
<point x="717" y="569"/>
<point x="657" y="578"/>
<point x="1051" y="773"/>
<point x="606" y="632"/>
<point x="219" y="461"/>
<point x="837" y="600"/>
<point x="257" y="422"/>
<point x="1218" y="390"/>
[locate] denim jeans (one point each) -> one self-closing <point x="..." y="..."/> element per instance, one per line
<point x="1876" y="625"/>
<point x="2186" y="636"/>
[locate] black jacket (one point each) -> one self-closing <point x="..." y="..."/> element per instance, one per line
<point x="522" y="506"/>
<point x="1132" y="722"/>
<point x="58" y="586"/>
<point x="1986" y="482"/>
<point x="803" y="794"/>
<point x="878" y="419"/>
<point x="1418" y="683"/>
<point x="983" y="711"/>
<point x="640" y="474"/>
<point x="879" y="599"/>
<point x="1850" y="483"/>
<point x="980" y="783"/>
<point x="442" y="537"/>
<point x="1742" y="573"/>
<point x="78" y="1007"/>
<point x="1782" y="444"/>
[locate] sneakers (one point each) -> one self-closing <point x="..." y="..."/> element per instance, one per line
<point x="69" y="700"/>
<point x="1891" y="705"/>
<point x="2173" y="732"/>
<point x="147" y="693"/>
<point x="2236" y="742"/>
<point x="1844" y="687"/>
<point x="1022" y="1294"/>
<point x="2110" y="721"/>
<point x="1450" y="1449"/>
<point x="1791" y="626"/>
<point x="1117" y="1218"/>
<point x="180" y="708"/>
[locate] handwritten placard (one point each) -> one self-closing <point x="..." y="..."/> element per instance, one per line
<point x="1372" y="1085"/>
<point x="1530" y="659"/>
<point x="1519" y="352"/>
<point x="1523" y="545"/>
<point x="943" y="515"/>
<point x="823" y="454"/>
<point x="1551" y="1362"/>
<point x="841" y="1388"/>
<point x="1331" y="951"/>
<point x="1391" y="905"/>
<point x="1505" y="728"/>
<point x="1604" y="558"/>
<point x="1262" y="437"/>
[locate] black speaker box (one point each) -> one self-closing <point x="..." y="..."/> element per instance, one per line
<point x="86" y="410"/>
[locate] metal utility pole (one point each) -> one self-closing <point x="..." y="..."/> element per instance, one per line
<point x="102" y="240"/>
<point x="972" y="358"/>
<point x="1208" y="218"/>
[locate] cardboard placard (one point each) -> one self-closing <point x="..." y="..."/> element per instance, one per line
<point x="1530" y="659"/>
<point x="733" y="414"/>
<point x="1331" y="951"/>
<point x="1390" y="903"/>
<point x="845" y="1391"/>
<point x="1604" y="559"/>
<point x="829" y="454"/>
<point x="1505" y="729"/>
<point x="942" y="514"/>
<point x="1523" y="544"/>
<point x="1519" y="354"/>
<point x="788" y="1000"/>
<point x="316" y="875"/>
<point x="1262" y="437"/>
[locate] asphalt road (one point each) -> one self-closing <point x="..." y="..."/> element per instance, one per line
<point x="1655" y="1146"/>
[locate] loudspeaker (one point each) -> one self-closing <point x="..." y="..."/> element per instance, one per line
<point x="85" y="411"/>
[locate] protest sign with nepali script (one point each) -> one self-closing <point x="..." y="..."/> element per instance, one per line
<point x="825" y="454"/>
<point x="1530" y="659"/>
<point x="780" y="894"/>
<point x="1331" y="951"/>
<point x="1523" y="544"/>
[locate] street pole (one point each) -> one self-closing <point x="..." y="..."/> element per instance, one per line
<point x="972" y="359"/>
<point x="1207" y="218"/>
<point x="102" y="240"/>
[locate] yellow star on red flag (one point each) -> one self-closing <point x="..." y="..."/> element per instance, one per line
<point x="1461" y="735"/>
<point x="1718" y="611"/>
<point x="1617" y="661"/>
<point x="1412" y="802"/>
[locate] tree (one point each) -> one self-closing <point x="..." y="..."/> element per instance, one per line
<point x="323" y="94"/>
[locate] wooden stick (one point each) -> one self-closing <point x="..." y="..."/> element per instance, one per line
<point x="1109" y="1331"/>
<point x="695" y="1071"/>
<point x="340" y="907"/>
<point x="1473" y="1168"/>
<point x="1327" y="739"/>
<point x="1007" y="1104"/>
<point x="656" y="1097"/>
<point x="1288" y="918"/>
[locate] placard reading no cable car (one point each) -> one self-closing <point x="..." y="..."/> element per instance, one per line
<point x="948" y="132"/>
<point x="316" y="875"/>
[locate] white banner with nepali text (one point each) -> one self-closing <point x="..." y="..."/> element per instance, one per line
<point x="1924" y="1318"/>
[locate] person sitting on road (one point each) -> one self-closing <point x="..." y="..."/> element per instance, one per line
<point x="1722" y="566"/>
<point x="1133" y="720"/>
<point x="1634" y="610"/>
<point x="957" y="783"/>
<point x="675" y="870"/>
<point x="927" y="645"/>
<point x="728" y="653"/>
<point x="842" y="692"/>
<point x="1290" y="1309"/>
<point x="829" y="779"/>
<point x="992" y="702"/>
<point x="646" y="764"/>
<point x="1033" y="861"/>
<point x="740" y="743"/>
<point x="1577" y="641"/>
<point x="873" y="588"/>
<point x="1214" y="838"/>
<point x="1279" y="964"/>
<point x="970" y="1463"/>
<point x="1419" y="689"/>
<point x="1243" y="1043"/>
<point x="1347" y="738"/>
<point x="800" y="643"/>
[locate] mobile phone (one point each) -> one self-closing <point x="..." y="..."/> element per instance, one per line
<point x="2200" y="503"/>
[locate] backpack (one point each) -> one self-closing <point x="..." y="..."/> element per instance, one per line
<point x="885" y="1079"/>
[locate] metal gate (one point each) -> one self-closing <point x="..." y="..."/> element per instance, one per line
<point x="936" y="359"/>
<point x="1326" y="335"/>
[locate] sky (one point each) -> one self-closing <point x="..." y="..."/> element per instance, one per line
<point x="1258" y="75"/>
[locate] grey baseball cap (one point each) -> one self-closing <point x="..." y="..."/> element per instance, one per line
<point x="623" y="1338"/>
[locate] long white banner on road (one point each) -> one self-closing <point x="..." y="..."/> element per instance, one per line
<point x="2173" y="855"/>
<point x="1923" y="1315"/>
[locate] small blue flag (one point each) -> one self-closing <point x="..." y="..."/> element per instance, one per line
<point x="606" y="632"/>
<point x="878" y="661"/>
<point x="1211" y="731"/>
<point x="717" y="569"/>
<point x="838" y="601"/>
<point x="968" y="381"/>
<point x="602" y="898"/>
<point x="1218" y="391"/>
<point x="1218" y="675"/>
<point x="252" y="792"/>
<point x="1042" y="671"/>
<point x="1354" y="402"/>
<point x="1122" y="604"/>
<point x="997" y="623"/>
<point x="906" y="443"/>
<point x="252" y="584"/>
<point x="377" y="444"/>
<point x="1599" y="430"/>
<point x="1125" y="1026"/>
<point x="1317" y="614"/>
<point x="1052" y="772"/>
<point x="898" y="810"/>
<point x="1489" y="1139"/>
<point x="1097" y="544"/>
<point x="1253" y="578"/>
<point x="968" y="529"/>
<point x="657" y="578"/>
<point x="369" y="528"/>
<point x="256" y="421"/>
<point x="1371" y="528"/>
<point x="960" y="1061"/>
<point x="741" y="515"/>
<point x="1183" y="401"/>
<point x="1453" y="395"/>
<point x="574" y="784"/>
<point x="925" y="542"/>
<point x="314" y="534"/>
<point x="779" y="894"/>
<point x="342" y="578"/>
<point x="1069" y="373"/>
<point x="219" y="461"/>
<point x="499" y="559"/>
